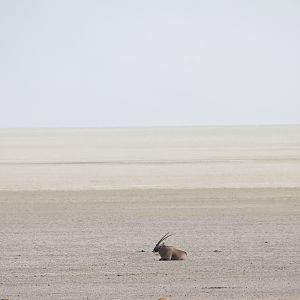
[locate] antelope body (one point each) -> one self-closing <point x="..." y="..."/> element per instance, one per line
<point x="169" y="252"/>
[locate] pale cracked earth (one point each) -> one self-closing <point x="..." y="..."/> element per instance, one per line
<point x="81" y="211"/>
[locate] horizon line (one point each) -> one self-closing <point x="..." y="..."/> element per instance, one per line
<point x="152" y="126"/>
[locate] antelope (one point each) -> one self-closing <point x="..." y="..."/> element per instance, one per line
<point x="169" y="252"/>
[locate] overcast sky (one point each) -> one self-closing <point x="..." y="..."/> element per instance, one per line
<point x="149" y="63"/>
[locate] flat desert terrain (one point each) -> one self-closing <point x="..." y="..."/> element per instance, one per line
<point x="82" y="209"/>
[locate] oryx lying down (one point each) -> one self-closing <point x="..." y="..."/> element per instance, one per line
<point x="169" y="252"/>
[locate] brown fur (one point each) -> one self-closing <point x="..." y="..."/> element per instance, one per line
<point x="171" y="253"/>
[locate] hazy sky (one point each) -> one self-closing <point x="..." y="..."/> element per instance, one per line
<point x="142" y="63"/>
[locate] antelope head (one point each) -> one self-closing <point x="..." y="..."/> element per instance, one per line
<point x="159" y="245"/>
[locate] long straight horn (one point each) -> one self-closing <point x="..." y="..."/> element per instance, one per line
<point x="163" y="238"/>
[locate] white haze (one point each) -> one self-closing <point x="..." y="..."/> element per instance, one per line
<point x="149" y="63"/>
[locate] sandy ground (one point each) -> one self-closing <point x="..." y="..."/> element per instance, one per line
<point x="85" y="245"/>
<point x="77" y="223"/>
